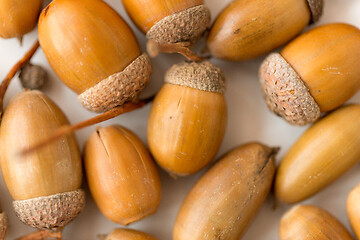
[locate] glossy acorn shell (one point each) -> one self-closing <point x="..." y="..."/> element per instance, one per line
<point x="18" y="17"/>
<point x="122" y="177"/>
<point x="225" y="200"/>
<point x="322" y="154"/>
<point x="128" y="234"/>
<point x="250" y="28"/>
<point x="56" y="168"/>
<point x="146" y="13"/>
<point x="325" y="58"/>
<point x="85" y="41"/>
<point x="186" y="127"/>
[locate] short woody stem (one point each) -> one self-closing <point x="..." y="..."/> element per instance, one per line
<point x="20" y="64"/>
<point x="67" y="129"/>
<point x="154" y="49"/>
<point x="42" y="234"/>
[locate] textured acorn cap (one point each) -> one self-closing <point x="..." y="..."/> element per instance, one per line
<point x="285" y="93"/>
<point x="118" y="88"/>
<point x="316" y="9"/>
<point x="4" y="225"/>
<point x="50" y="212"/>
<point x="203" y="76"/>
<point x="184" y="26"/>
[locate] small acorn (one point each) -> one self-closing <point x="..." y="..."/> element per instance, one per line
<point x="46" y="184"/>
<point x="188" y="118"/>
<point x="18" y="17"/>
<point x="4" y="224"/>
<point x="315" y="73"/>
<point x="248" y="29"/>
<point x="310" y="222"/>
<point x="170" y="21"/>
<point x="122" y="177"/>
<point x="322" y="154"/>
<point x="128" y="234"/>
<point x="225" y="200"/>
<point x="94" y="52"/>
<point x="353" y="209"/>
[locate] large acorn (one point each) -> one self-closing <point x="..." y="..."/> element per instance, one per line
<point x="122" y="177"/>
<point x="321" y="155"/>
<point x="94" y="52"/>
<point x="4" y="224"/>
<point x="315" y="73"/>
<point x="18" y="17"/>
<point x="248" y="29"/>
<point x="45" y="184"/>
<point x="188" y="118"/>
<point x="223" y="203"/>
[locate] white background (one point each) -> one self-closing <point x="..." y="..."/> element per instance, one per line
<point x="249" y="120"/>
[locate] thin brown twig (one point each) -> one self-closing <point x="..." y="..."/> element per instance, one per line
<point x="67" y="129"/>
<point x="42" y="234"/>
<point x="5" y="83"/>
<point x="155" y="48"/>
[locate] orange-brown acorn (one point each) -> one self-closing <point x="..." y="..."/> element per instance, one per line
<point x="122" y="177"/>
<point x="128" y="234"/>
<point x="188" y="118"/>
<point x="94" y="52"/>
<point x="46" y="184"/>
<point x="315" y="73"/>
<point x="248" y="29"/>
<point x="18" y="17"/>
<point x="353" y="209"/>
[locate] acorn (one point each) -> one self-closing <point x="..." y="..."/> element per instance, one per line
<point x="94" y="52"/>
<point x="248" y="29"/>
<point x="310" y="222"/>
<point x="322" y="154"/>
<point x="225" y="200"/>
<point x="315" y="73"/>
<point x="46" y="184"/>
<point x="122" y="177"/>
<point x="128" y="234"/>
<point x="353" y="209"/>
<point x="170" y="21"/>
<point x="4" y="224"/>
<point x="18" y="17"/>
<point x="188" y="118"/>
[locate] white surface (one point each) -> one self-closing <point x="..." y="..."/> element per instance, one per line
<point x="249" y="120"/>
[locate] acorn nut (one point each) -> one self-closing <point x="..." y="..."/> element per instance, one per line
<point x="248" y="29"/>
<point x="225" y="200"/>
<point x="4" y="225"/>
<point x="322" y="154"/>
<point x="315" y="73"/>
<point x="94" y="52"/>
<point x="188" y="118"/>
<point x="310" y="222"/>
<point x="128" y="234"/>
<point x="122" y="177"/>
<point x="353" y="209"/>
<point x="45" y="184"/>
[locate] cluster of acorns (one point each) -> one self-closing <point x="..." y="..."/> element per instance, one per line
<point x="95" y="53"/>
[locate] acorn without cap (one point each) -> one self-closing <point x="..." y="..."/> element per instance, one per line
<point x="18" y="17"/>
<point x="94" y="52"/>
<point x="122" y="177"/>
<point x="315" y="73"/>
<point x="225" y="200"/>
<point x="248" y="29"/>
<point x="353" y="209"/>
<point x="310" y="222"/>
<point x="4" y="224"/>
<point x="322" y="154"/>
<point x="46" y="184"/>
<point x="188" y="118"/>
<point x="128" y="234"/>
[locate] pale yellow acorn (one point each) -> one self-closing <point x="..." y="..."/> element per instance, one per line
<point x="353" y="209"/>
<point x="128" y="234"/>
<point x="310" y="222"/>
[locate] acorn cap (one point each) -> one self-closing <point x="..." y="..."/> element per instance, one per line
<point x="4" y="225"/>
<point x="184" y="26"/>
<point x="118" y="88"/>
<point x="285" y="93"/>
<point x="203" y="76"/>
<point x="316" y="9"/>
<point x="50" y="212"/>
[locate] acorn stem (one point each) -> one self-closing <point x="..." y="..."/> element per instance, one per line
<point x="23" y="61"/>
<point x="43" y="234"/>
<point x="67" y="129"/>
<point x="155" y="48"/>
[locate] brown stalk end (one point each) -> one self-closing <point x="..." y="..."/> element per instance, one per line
<point x="42" y="234"/>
